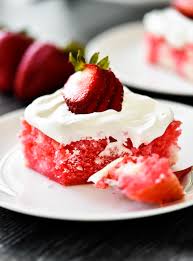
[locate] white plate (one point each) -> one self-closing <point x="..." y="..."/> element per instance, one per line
<point x="136" y="2"/>
<point x="25" y="191"/>
<point x="124" y="45"/>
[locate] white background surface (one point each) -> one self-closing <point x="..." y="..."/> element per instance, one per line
<point x="136" y="2"/>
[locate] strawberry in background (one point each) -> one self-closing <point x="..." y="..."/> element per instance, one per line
<point x="184" y="6"/>
<point x="12" y="47"/>
<point x="43" y="69"/>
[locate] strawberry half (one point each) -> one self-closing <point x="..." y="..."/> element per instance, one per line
<point x="184" y="6"/>
<point x="146" y="179"/>
<point x="93" y="87"/>
<point x="43" y="69"/>
<point x="12" y="47"/>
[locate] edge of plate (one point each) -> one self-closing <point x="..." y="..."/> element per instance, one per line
<point x="95" y="217"/>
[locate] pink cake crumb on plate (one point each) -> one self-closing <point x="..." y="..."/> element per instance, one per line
<point x="146" y="178"/>
<point x="74" y="163"/>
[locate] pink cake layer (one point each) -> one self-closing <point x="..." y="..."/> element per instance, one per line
<point x="160" y="52"/>
<point x="74" y="163"/>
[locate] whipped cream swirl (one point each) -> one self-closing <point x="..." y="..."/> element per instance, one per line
<point x="142" y="119"/>
<point x="170" y="24"/>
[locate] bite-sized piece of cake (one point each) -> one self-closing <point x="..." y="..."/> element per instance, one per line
<point x="146" y="179"/>
<point x="169" y="40"/>
<point x="75" y="132"/>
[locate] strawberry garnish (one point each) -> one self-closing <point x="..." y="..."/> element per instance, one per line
<point x="12" y="47"/>
<point x="184" y="6"/>
<point x="93" y="87"/>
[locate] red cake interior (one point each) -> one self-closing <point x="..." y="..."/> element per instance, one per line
<point x="74" y="163"/>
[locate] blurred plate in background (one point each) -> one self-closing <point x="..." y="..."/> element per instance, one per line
<point x="136" y="2"/>
<point x="45" y="20"/>
<point x="124" y="45"/>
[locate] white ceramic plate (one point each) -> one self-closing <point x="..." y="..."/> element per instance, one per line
<point x="136" y="2"/>
<point x="124" y="45"/>
<point x="25" y="191"/>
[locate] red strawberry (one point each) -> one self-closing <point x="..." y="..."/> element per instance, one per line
<point x="118" y="95"/>
<point x="12" y="47"/>
<point x="146" y="179"/>
<point x="180" y="174"/>
<point x="93" y="88"/>
<point x="43" y="69"/>
<point x="110" y="87"/>
<point x="184" y="6"/>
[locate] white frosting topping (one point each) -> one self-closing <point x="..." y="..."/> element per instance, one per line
<point x="170" y="24"/>
<point x="142" y="119"/>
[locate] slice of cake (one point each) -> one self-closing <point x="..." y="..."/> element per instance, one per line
<point x="169" y="38"/>
<point x="72" y="134"/>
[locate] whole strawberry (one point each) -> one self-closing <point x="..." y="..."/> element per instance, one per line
<point x="43" y="69"/>
<point x="12" y="47"/>
<point x="93" y="87"/>
<point x="184" y="6"/>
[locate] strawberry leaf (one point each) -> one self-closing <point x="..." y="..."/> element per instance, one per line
<point x="80" y="66"/>
<point x="72" y="59"/>
<point x="104" y="63"/>
<point x="80" y="57"/>
<point x="74" y="47"/>
<point x="78" y="62"/>
<point x="94" y="58"/>
<point x="24" y="32"/>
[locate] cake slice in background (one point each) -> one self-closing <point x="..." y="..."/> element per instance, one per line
<point x="169" y="38"/>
